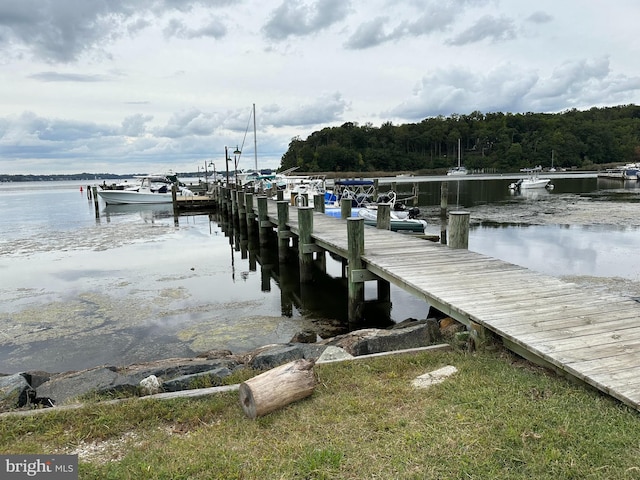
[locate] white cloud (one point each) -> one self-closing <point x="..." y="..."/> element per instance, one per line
<point x="124" y="83"/>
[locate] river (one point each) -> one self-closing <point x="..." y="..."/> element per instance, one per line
<point x="131" y="285"/>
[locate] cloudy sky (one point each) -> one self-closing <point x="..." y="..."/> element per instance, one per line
<point x="128" y="86"/>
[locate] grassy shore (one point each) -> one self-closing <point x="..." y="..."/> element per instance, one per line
<point x="497" y="417"/>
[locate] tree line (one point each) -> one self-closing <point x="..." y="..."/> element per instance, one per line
<point x="501" y="142"/>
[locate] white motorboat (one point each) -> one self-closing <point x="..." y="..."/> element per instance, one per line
<point x="532" y="180"/>
<point x="154" y="188"/>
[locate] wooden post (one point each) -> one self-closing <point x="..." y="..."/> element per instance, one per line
<point x="283" y="230"/>
<point x="263" y="220"/>
<point x="242" y="209"/>
<point x="318" y="203"/>
<point x="459" y="230"/>
<point x="305" y="252"/>
<point x="94" y="191"/>
<point x="355" y="242"/>
<point x="234" y="202"/>
<point x="383" y="221"/>
<point x="444" y="198"/>
<point x="279" y="195"/>
<point x="277" y="387"/>
<point x="224" y="199"/>
<point x="416" y="194"/>
<point x="248" y="200"/>
<point x="345" y="208"/>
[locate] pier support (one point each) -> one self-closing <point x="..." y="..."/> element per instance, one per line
<point x="318" y="203"/>
<point x="94" y="191"/>
<point x="383" y="220"/>
<point x="306" y="247"/>
<point x="355" y="241"/>
<point x="263" y="221"/>
<point x="459" y="229"/>
<point x="345" y="208"/>
<point x="248" y="200"/>
<point x="283" y="230"/>
<point x="444" y="198"/>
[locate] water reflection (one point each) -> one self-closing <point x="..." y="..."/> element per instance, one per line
<point x="324" y="299"/>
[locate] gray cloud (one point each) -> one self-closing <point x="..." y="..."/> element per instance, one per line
<point x="177" y="28"/>
<point x="323" y="110"/>
<point x="539" y="17"/>
<point x="63" y="30"/>
<point x="68" y="77"/>
<point x="487" y="27"/>
<point x="509" y="88"/>
<point x="294" y="18"/>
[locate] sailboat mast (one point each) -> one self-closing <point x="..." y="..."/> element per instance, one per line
<point x="458" y="153"/>
<point x="255" y="141"/>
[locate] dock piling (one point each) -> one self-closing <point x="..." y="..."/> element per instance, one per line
<point x="305" y="243"/>
<point x="459" y="229"/>
<point x="355" y="241"/>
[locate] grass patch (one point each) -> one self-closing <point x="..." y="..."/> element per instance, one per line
<point x="498" y="417"/>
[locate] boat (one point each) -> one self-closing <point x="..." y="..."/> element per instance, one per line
<point x="626" y="172"/>
<point x="532" y="180"/>
<point x="124" y="185"/>
<point x="401" y="221"/>
<point x="154" y="188"/>
<point x="459" y="170"/>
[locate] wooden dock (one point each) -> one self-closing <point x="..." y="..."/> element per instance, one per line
<point x="581" y="332"/>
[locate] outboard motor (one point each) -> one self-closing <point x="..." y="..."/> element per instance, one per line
<point x="414" y="212"/>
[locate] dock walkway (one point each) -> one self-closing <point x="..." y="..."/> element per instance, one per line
<point x="583" y="332"/>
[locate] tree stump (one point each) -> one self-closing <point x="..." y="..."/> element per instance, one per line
<point x="277" y="387"/>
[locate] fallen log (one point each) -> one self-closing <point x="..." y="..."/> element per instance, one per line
<point x="277" y="387"/>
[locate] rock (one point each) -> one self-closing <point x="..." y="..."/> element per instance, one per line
<point x="149" y="385"/>
<point x="64" y="387"/>
<point x="276" y="355"/>
<point x="211" y="378"/>
<point x="13" y="391"/>
<point x="332" y="353"/>
<point x="271" y="356"/>
<point x="449" y="327"/>
<point x="434" y="377"/>
<point x="373" y="340"/>
<point x="216" y="354"/>
<point x="36" y="378"/>
<point x="306" y="336"/>
<point x="175" y="367"/>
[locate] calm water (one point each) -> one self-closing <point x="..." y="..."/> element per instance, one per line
<point x="134" y="285"/>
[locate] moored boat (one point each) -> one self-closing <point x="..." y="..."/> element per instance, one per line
<point x="532" y="180"/>
<point x="154" y="188"/>
<point x="627" y="172"/>
<point x="401" y="221"/>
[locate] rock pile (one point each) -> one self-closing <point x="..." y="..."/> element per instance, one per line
<point x="38" y="389"/>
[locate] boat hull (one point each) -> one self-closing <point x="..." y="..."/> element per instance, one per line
<point x="123" y="197"/>
<point x="540" y="183"/>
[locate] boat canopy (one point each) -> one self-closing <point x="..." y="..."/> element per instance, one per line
<point x="352" y="183"/>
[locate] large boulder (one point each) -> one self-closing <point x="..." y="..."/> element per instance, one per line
<point x="210" y="378"/>
<point x="375" y="340"/>
<point x="66" y="386"/>
<point x="271" y="356"/>
<point x="13" y="391"/>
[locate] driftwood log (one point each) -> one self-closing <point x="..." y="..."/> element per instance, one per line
<point x="277" y="387"/>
